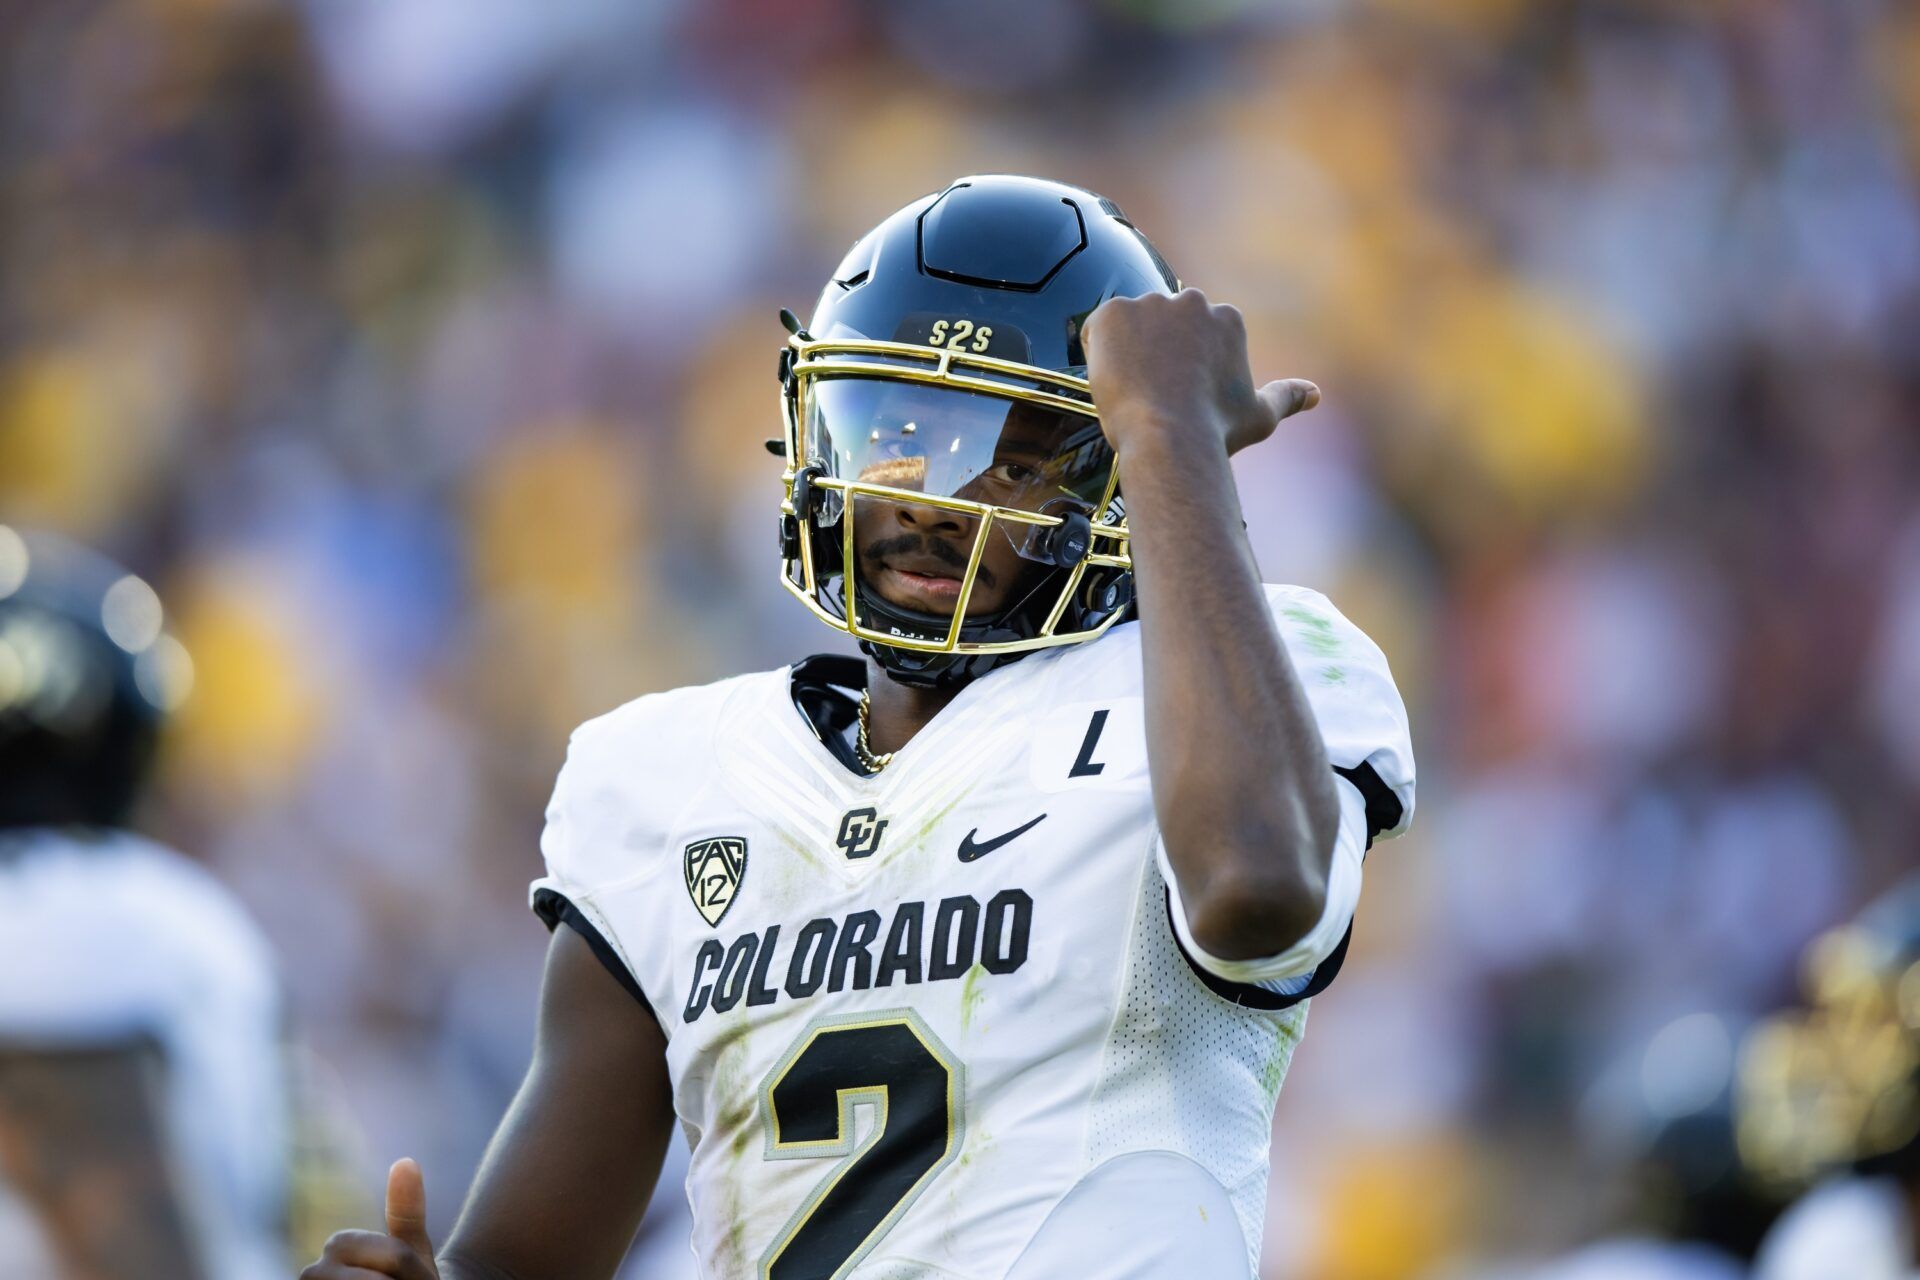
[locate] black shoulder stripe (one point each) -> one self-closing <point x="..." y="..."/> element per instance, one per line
<point x="555" y="909"/>
<point x="1248" y="996"/>
<point x="1383" y="807"/>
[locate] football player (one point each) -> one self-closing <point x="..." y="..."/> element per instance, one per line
<point x="143" y="1102"/>
<point x="983" y="955"/>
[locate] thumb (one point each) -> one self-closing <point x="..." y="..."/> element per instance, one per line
<point x="407" y="1208"/>
<point x="1287" y="397"/>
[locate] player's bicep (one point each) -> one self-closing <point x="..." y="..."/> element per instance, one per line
<point x="83" y="1141"/>
<point x="567" y="1177"/>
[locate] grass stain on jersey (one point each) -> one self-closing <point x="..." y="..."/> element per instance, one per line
<point x="733" y="1245"/>
<point x="1334" y="675"/>
<point x="1286" y="1035"/>
<point x="971" y="994"/>
<point x="737" y="1102"/>
<point x="926" y="828"/>
<point x="1277" y="1064"/>
<point x="977" y="1143"/>
<point x="808" y="854"/>
<point x="1316" y="631"/>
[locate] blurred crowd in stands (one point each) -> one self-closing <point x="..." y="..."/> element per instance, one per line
<point x="420" y="354"/>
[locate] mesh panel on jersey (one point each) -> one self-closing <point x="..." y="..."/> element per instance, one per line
<point x="1186" y="1071"/>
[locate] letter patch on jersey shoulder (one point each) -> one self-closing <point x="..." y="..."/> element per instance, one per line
<point x="715" y="868"/>
<point x="1091" y="746"/>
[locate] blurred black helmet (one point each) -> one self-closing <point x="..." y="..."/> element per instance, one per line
<point x="87" y="674"/>
<point x="948" y="336"/>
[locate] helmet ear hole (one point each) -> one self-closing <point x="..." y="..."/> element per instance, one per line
<point x="1067" y="543"/>
<point x="805" y="496"/>
<point x="1104" y="594"/>
<point x="1062" y="545"/>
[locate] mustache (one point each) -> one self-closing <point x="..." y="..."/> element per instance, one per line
<point x="909" y="543"/>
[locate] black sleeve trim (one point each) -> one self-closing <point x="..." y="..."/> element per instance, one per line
<point x="1248" y="996"/>
<point x="1384" y="809"/>
<point x="555" y="909"/>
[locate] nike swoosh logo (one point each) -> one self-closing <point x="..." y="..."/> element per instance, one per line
<point x="971" y="849"/>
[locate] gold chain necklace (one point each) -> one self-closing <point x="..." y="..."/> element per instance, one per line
<point x="875" y="761"/>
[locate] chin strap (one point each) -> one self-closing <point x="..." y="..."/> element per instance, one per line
<point x="942" y="670"/>
<point x="936" y="670"/>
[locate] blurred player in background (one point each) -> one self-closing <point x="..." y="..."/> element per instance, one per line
<point x="1691" y="1208"/>
<point x="985" y="956"/>
<point x="143" y="1101"/>
<point x="1830" y="1100"/>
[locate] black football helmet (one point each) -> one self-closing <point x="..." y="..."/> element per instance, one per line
<point x="947" y="341"/>
<point x="87" y="676"/>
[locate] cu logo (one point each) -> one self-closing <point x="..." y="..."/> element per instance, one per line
<point x="860" y="832"/>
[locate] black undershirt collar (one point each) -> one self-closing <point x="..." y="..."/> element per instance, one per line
<point x="826" y="690"/>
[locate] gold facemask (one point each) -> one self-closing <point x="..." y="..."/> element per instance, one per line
<point x="1013" y="449"/>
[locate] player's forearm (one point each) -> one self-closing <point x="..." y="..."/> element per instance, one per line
<point x="568" y="1174"/>
<point x="567" y="1177"/>
<point x="554" y="1198"/>
<point x="542" y="1221"/>
<point x="454" y="1264"/>
<point x="1241" y="783"/>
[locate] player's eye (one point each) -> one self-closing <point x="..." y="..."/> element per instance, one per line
<point x="1011" y="473"/>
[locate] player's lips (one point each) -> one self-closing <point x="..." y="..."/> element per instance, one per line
<point x="921" y="581"/>
<point x="942" y="588"/>
<point x="935" y="581"/>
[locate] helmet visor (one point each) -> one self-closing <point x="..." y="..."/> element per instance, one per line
<point x="949" y="443"/>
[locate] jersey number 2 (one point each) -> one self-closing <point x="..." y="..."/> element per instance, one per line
<point x="891" y="1061"/>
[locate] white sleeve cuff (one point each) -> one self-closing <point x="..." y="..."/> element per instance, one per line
<point x="1304" y="956"/>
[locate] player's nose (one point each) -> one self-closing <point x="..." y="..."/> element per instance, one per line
<point x="927" y="519"/>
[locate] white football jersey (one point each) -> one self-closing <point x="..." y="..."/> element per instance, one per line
<point x="110" y="939"/>
<point x="1847" y="1228"/>
<point x="936" y="1022"/>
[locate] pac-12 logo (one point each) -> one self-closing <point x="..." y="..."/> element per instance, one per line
<point x="714" y="870"/>
<point x="860" y="832"/>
